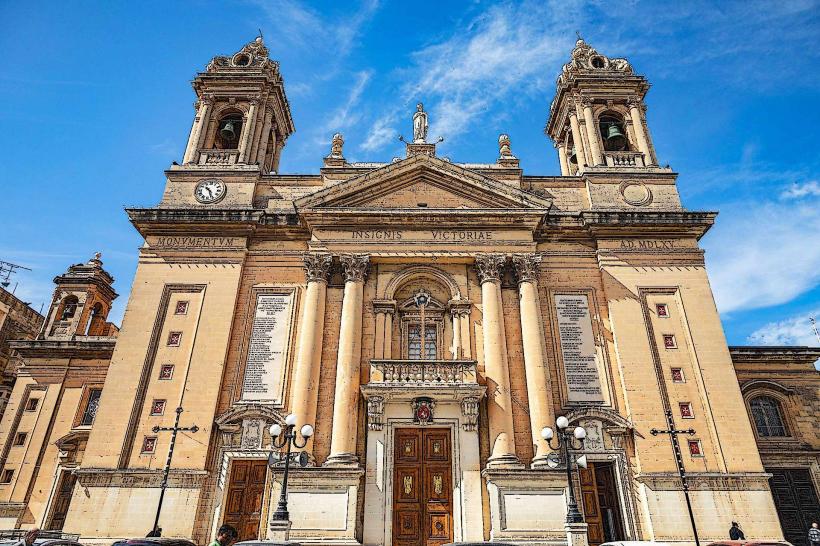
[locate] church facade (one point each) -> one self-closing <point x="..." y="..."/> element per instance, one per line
<point x="428" y="318"/>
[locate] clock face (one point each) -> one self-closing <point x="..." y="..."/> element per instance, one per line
<point x="210" y="190"/>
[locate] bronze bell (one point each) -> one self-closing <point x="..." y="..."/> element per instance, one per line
<point x="615" y="139"/>
<point x="227" y="132"/>
<point x="573" y="157"/>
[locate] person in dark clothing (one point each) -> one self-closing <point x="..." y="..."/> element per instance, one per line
<point x="735" y="533"/>
<point x="225" y="536"/>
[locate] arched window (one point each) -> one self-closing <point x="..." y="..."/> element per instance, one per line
<point x="95" y="317"/>
<point x="768" y="417"/>
<point x="613" y="134"/>
<point x="69" y="307"/>
<point x="228" y="132"/>
<point x="422" y="322"/>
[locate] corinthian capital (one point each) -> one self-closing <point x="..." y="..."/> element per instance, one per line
<point x="526" y="267"/>
<point x="355" y="266"/>
<point x="634" y="102"/>
<point x="488" y="266"/>
<point x="317" y="266"/>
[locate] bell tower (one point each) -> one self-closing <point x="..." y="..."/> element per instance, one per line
<point x="82" y="300"/>
<point x="597" y="119"/>
<point x="242" y="112"/>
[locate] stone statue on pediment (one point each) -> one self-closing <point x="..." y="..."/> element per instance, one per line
<point x="420" y="125"/>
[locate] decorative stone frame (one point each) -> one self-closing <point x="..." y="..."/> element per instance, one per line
<point x="619" y="431"/>
<point x="781" y="395"/>
<point x="434" y="317"/>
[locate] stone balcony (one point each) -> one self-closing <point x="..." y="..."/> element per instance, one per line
<point x="624" y="159"/>
<point x="218" y="157"/>
<point x="403" y="373"/>
<point x="442" y="380"/>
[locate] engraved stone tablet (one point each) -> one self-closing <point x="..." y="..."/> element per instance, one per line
<point x="578" y="348"/>
<point x="267" y="348"/>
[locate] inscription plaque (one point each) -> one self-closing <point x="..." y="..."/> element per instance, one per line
<point x="578" y="348"/>
<point x="267" y="348"/>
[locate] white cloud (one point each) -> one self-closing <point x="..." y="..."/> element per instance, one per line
<point x="796" y="330"/>
<point x="345" y="115"/>
<point x="763" y="253"/>
<point x="504" y="53"/>
<point x="302" y="26"/>
<point x="799" y="191"/>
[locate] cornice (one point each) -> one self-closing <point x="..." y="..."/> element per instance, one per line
<point x="775" y="355"/>
<point x="102" y="347"/>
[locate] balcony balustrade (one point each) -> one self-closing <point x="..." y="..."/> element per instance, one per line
<point x="423" y="372"/>
<point x="624" y="159"/>
<point x="218" y="157"/>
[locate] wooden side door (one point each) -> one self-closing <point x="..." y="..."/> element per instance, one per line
<point x="62" y="500"/>
<point x="438" y="488"/>
<point x="246" y="487"/>
<point x="422" y="488"/>
<point x="590" y="505"/>
<point x="796" y="502"/>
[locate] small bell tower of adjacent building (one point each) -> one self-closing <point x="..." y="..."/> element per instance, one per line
<point x="242" y="113"/>
<point x="597" y="119"/>
<point x="81" y="303"/>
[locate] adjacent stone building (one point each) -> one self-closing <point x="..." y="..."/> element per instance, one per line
<point x="17" y="321"/>
<point x="428" y="317"/>
<point x="55" y="399"/>
<point x="781" y="388"/>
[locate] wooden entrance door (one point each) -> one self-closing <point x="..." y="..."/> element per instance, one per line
<point x="62" y="500"/>
<point x="796" y="502"/>
<point x="246" y="487"/>
<point x="422" y="487"/>
<point x="599" y="497"/>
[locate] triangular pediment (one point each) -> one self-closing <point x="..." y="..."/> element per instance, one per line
<point x="422" y="181"/>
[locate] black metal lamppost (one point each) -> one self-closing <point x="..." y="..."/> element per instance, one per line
<point x="566" y="440"/>
<point x="287" y="438"/>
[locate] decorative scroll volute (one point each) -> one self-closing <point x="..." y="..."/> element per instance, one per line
<point x="489" y="266"/>
<point x="317" y="266"/>
<point x="355" y="266"/>
<point x="375" y="412"/>
<point x="526" y="267"/>
<point x="469" y="410"/>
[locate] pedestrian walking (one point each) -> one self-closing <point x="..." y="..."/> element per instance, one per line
<point x="735" y="533"/>
<point x="814" y="535"/>
<point x="225" y="536"/>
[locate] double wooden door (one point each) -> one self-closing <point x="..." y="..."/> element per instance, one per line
<point x="796" y="502"/>
<point x="246" y="487"/>
<point x="422" y="487"/>
<point x="599" y="497"/>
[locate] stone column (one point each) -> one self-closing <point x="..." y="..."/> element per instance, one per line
<point x="454" y="313"/>
<point x="345" y="401"/>
<point x="499" y="399"/>
<point x="577" y="141"/>
<point x="200" y="122"/>
<point x="562" y="158"/>
<point x="309" y="345"/>
<point x="384" y="310"/>
<point x="248" y="129"/>
<point x="264" y="137"/>
<point x="592" y="133"/>
<point x="532" y="335"/>
<point x="640" y="134"/>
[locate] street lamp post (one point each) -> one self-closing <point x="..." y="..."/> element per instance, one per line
<point x="287" y="438"/>
<point x="566" y="440"/>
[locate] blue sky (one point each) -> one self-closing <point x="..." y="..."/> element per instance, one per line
<point x="97" y="103"/>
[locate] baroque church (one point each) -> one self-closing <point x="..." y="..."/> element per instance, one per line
<point x="428" y="319"/>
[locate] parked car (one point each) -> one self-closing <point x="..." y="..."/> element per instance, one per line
<point x="44" y="538"/>
<point x="750" y="543"/>
<point x="153" y="541"/>
<point x="635" y="543"/>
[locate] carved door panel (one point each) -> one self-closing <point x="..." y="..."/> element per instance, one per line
<point x="62" y="500"/>
<point x="796" y="502"/>
<point x="590" y="505"/>
<point x="422" y="488"/>
<point x="246" y="487"/>
<point x="609" y="502"/>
